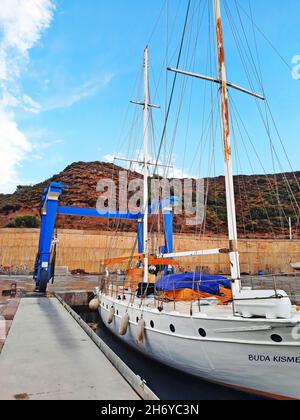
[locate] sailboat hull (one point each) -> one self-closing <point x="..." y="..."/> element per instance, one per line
<point x="296" y="266"/>
<point x="232" y="351"/>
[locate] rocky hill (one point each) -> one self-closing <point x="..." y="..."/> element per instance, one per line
<point x="264" y="203"/>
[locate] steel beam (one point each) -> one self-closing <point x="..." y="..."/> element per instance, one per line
<point x="89" y="212"/>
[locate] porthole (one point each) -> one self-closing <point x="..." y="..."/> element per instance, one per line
<point x="172" y="328"/>
<point x="276" y="338"/>
<point x="202" y="332"/>
<point x="151" y="324"/>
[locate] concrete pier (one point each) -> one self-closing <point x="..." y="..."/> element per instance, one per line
<point x="47" y="356"/>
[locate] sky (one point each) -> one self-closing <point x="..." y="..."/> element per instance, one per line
<point x="68" y="69"/>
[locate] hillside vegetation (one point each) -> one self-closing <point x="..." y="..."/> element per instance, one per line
<point x="264" y="203"/>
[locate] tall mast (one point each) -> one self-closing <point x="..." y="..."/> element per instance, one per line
<point x="230" y="198"/>
<point x="146" y="171"/>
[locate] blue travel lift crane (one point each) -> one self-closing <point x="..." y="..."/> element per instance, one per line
<point x="45" y="261"/>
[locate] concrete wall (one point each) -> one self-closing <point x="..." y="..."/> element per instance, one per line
<point x="85" y="249"/>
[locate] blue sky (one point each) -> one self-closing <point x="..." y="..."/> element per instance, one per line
<point x="69" y="77"/>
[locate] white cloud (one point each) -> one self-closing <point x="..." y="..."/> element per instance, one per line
<point x="30" y="105"/>
<point x="109" y="158"/>
<point x="78" y="93"/>
<point x="22" y="23"/>
<point x="42" y="149"/>
<point x="14" y="146"/>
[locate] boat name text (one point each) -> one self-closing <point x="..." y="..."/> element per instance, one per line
<point x="274" y="359"/>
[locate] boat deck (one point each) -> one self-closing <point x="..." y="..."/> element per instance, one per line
<point x="206" y="308"/>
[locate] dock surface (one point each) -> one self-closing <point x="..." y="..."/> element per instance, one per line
<point x="47" y="356"/>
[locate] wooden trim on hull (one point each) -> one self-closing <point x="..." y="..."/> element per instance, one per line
<point x="253" y="392"/>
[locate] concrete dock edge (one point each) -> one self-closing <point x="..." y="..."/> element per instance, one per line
<point x="135" y="381"/>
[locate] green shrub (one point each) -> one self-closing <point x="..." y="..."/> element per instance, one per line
<point x="271" y="197"/>
<point x="25" y="222"/>
<point x="258" y="213"/>
<point x="220" y="212"/>
<point x="262" y="181"/>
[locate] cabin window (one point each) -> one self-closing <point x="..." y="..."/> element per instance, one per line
<point x="276" y="338"/>
<point x="172" y="328"/>
<point x="202" y="332"/>
<point x="137" y="320"/>
<point x="151" y="324"/>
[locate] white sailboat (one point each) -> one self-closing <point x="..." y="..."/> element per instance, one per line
<point x="296" y="266"/>
<point x="252" y="344"/>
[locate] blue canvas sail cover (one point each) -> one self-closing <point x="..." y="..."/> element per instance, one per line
<point x="195" y="281"/>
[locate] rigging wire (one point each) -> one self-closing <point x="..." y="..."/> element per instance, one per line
<point x="135" y="129"/>
<point x="173" y="85"/>
<point x="240" y="124"/>
<point x="266" y="38"/>
<point x="272" y="148"/>
<point x="247" y="57"/>
<point x="184" y="83"/>
<point x="158" y="20"/>
<point x="265" y="120"/>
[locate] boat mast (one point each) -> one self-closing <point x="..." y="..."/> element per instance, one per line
<point x="146" y="168"/>
<point x="230" y="198"/>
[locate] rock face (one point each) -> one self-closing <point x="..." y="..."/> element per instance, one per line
<point x="264" y="203"/>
